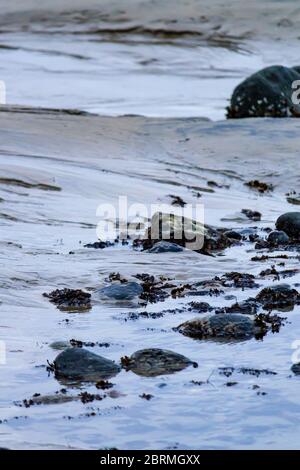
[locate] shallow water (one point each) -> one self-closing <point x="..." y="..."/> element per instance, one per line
<point x="56" y="168"/>
<point x="40" y="227"/>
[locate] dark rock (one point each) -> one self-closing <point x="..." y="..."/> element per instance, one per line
<point x="164" y="247"/>
<point x="239" y="280"/>
<point x="81" y="365"/>
<point x="221" y="326"/>
<point x="201" y="307"/>
<point x="246" y="307"/>
<point x="98" y="245"/>
<point x="253" y="215"/>
<point x="277" y="237"/>
<point x="281" y="296"/>
<point x="296" y="368"/>
<point x="153" y="362"/>
<point x="70" y="299"/>
<point x="260" y="186"/>
<point x="265" y="93"/>
<point x="290" y="224"/>
<point x="125" y="291"/>
<point x="233" y="235"/>
<point x="184" y="232"/>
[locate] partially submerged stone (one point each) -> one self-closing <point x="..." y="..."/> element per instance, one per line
<point x="280" y="296"/>
<point x="289" y="223"/>
<point x="70" y="299"/>
<point x="119" y="291"/>
<point x="185" y="232"/>
<point x="277" y="237"/>
<point x="153" y="362"/>
<point x="165" y="247"/>
<point x="79" y="364"/>
<point x="220" y="326"/>
<point x="296" y="368"/>
<point x="267" y="92"/>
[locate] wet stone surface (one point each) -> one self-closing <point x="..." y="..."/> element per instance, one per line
<point x="69" y="299"/>
<point x="220" y="326"/>
<point x="290" y="224"/>
<point x="125" y="291"/>
<point x="153" y="362"/>
<point x="281" y="296"/>
<point x="77" y="364"/>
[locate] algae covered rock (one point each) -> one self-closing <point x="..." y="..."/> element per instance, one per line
<point x="154" y="361"/>
<point x="266" y="93"/>
<point x="185" y="232"/>
<point x="219" y="326"/>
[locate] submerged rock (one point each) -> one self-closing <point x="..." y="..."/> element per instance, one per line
<point x="164" y="247"/>
<point x="278" y="237"/>
<point x="184" y="232"/>
<point x="153" y="362"/>
<point x="289" y="223"/>
<point x="221" y="326"/>
<point x="267" y="92"/>
<point x="81" y="365"/>
<point x="125" y="291"/>
<point x="70" y="299"/>
<point x="281" y="296"/>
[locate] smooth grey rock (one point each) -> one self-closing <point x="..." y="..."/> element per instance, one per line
<point x="289" y="223"/>
<point x="278" y="237"/>
<point x="152" y="362"/>
<point x="164" y="247"/>
<point x="82" y="365"/>
<point x="125" y="291"/>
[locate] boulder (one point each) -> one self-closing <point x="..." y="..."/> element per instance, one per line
<point x="78" y="364"/>
<point x="153" y="362"/>
<point x="289" y="223"/>
<point x="266" y="93"/>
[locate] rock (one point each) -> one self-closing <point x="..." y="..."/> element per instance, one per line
<point x="60" y="345"/>
<point x="81" y="365"/>
<point x="125" y="291"/>
<point x="296" y="368"/>
<point x="277" y="237"/>
<point x="281" y="296"/>
<point x="233" y="234"/>
<point x="70" y="299"/>
<point x="153" y="362"/>
<point x="252" y="215"/>
<point x="260" y="186"/>
<point x="164" y="247"/>
<point x="220" y="326"/>
<point x="266" y="93"/>
<point x="185" y="232"/>
<point x="289" y="223"/>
